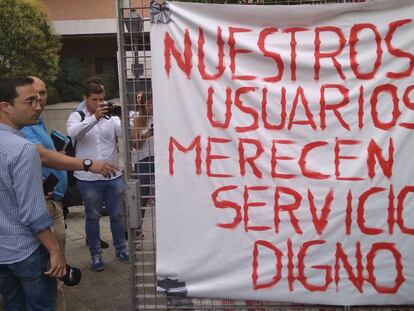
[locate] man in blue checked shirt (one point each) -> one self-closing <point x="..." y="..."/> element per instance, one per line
<point x="30" y="256"/>
<point x="53" y="162"/>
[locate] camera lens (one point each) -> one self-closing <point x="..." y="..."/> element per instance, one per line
<point x="72" y="277"/>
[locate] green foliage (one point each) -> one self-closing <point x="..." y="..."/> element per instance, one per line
<point x="53" y="96"/>
<point x="72" y="73"/>
<point x="111" y="85"/>
<point x="27" y="42"/>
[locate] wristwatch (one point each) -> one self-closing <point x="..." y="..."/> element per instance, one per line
<point x="87" y="163"/>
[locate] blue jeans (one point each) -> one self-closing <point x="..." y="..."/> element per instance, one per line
<point x="94" y="194"/>
<point x="24" y="286"/>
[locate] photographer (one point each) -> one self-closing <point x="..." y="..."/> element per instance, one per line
<point x="96" y="132"/>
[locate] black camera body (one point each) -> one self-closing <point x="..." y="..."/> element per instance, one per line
<point x="113" y="110"/>
<point x="72" y="277"/>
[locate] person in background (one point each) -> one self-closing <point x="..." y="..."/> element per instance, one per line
<point x="81" y="107"/>
<point x="52" y="163"/>
<point x="97" y="134"/>
<point x="144" y="145"/>
<point x="30" y="256"/>
<point x="132" y="115"/>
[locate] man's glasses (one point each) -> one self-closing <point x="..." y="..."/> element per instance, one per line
<point x="33" y="101"/>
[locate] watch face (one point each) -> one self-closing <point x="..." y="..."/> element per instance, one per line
<point x="87" y="162"/>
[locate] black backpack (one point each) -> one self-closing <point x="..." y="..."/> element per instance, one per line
<point x="72" y="195"/>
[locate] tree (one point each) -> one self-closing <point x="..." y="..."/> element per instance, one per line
<point x="28" y="44"/>
<point x="72" y="71"/>
<point x="72" y="75"/>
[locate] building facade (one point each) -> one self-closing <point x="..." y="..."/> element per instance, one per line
<point x="88" y="31"/>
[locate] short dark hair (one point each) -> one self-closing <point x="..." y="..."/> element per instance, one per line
<point x="8" y="87"/>
<point x="93" y="79"/>
<point x="92" y="88"/>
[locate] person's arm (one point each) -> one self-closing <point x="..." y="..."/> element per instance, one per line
<point x="141" y="133"/>
<point x="27" y="185"/>
<point x="78" y="128"/>
<point x="57" y="260"/>
<point x="59" y="161"/>
<point x="31" y="205"/>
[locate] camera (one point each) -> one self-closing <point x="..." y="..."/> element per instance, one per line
<point x="72" y="277"/>
<point x="113" y="110"/>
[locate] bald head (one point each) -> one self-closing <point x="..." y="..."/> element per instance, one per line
<point x="40" y="88"/>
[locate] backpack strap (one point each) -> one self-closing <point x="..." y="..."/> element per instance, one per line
<point x="82" y="115"/>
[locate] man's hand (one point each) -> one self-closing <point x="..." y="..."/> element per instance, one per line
<point x="104" y="168"/>
<point x="57" y="264"/>
<point x="102" y="111"/>
<point x="57" y="260"/>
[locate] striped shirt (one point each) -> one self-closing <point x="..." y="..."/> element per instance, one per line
<point x="23" y="210"/>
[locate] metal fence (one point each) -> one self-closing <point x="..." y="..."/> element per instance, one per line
<point x="134" y="57"/>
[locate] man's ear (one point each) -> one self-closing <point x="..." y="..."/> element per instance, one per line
<point x="4" y="106"/>
<point x="84" y="98"/>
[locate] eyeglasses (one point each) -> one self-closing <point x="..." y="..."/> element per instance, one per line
<point x="32" y="101"/>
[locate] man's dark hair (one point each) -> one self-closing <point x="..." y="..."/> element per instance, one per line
<point x="8" y="87"/>
<point x="92" y="88"/>
<point x="94" y="79"/>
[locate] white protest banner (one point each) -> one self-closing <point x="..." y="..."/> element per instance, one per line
<point x="284" y="151"/>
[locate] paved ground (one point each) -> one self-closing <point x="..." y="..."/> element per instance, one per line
<point x="106" y="290"/>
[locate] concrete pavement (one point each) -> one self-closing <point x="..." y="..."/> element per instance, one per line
<point x="106" y="290"/>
